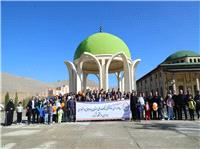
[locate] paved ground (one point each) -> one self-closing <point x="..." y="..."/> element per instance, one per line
<point x="105" y="135"/>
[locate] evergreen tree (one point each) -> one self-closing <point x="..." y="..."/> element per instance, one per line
<point x="25" y="102"/>
<point x="6" y="98"/>
<point x="16" y="99"/>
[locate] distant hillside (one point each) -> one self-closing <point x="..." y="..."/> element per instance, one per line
<point x="66" y="82"/>
<point x="26" y="87"/>
<point x="14" y="83"/>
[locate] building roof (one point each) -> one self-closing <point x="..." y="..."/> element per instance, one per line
<point x="181" y="67"/>
<point x="102" y="43"/>
<point x="181" y="54"/>
<point x="177" y="67"/>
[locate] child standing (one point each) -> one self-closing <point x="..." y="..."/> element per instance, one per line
<point x="147" y="111"/>
<point x="191" y="106"/>
<point x="60" y="113"/>
<point x="54" y="112"/>
<point x="19" y="111"/>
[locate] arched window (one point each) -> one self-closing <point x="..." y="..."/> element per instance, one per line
<point x="195" y="60"/>
<point x="190" y="60"/>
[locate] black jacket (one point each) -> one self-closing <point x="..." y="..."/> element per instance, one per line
<point x="133" y="102"/>
<point x="10" y="106"/>
<point x="181" y="100"/>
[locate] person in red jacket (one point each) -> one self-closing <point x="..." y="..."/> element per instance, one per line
<point x="147" y="111"/>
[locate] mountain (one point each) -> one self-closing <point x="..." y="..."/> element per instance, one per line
<point x="27" y="87"/>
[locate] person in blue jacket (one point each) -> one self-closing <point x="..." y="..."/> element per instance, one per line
<point x="40" y="109"/>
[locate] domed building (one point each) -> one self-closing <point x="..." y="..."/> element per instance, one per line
<point x="179" y="71"/>
<point x="100" y="54"/>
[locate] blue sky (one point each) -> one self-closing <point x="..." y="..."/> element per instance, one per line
<point x="38" y="36"/>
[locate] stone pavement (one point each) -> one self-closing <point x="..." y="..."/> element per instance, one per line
<point x="104" y="135"/>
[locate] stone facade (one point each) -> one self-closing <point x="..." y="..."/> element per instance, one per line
<point x="174" y="74"/>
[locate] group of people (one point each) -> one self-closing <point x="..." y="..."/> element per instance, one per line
<point x="60" y="108"/>
<point x="50" y="110"/>
<point x="171" y="107"/>
<point x="102" y="95"/>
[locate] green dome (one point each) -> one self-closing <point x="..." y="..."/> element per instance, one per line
<point x="102" y="43"/>
<point x="180" y="54"/>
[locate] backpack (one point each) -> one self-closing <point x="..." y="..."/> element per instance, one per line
<point x="192" y="104"/>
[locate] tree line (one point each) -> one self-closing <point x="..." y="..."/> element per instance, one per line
<point x="16" y="100"/>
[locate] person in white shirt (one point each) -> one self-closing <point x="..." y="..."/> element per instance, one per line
<point x="141" y="101"/>
<point x="19" y="111"/>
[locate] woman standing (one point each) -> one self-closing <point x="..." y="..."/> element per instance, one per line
<point x="170" y="105"/>
<point x="10" y="107"/>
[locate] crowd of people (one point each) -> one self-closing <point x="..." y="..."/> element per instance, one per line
<point x="171" y="107"/>
<point x="49" y="110"/>
<point x="60" y="108"/>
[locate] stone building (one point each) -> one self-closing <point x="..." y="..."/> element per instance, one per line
<point x="180" y="70"/>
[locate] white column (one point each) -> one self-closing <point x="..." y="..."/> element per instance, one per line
<point x="174" y="85"/>
<point x="84" y="81"/>
<point x="185" y="83"/>
<point x="79" y="76"/>
<point x="118" y="79"/>
<point x="122" y="84"/>
<point x="104" y="75"/>
<point x="72" y="76"/>
<point x="174" y="82"/>
<point x="197" y="82"/>
<point x="134" y="66"/>
<point x="71" y="89"/>
<point x="127" y="82"/>
<point x="121" y="81"/>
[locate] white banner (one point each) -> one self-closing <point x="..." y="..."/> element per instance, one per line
<point x="102" y="110"/>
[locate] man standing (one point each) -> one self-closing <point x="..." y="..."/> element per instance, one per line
<point x="72" y="109"/>
<point x="141" y="100"/>
<point x="175" y="108"/>
<point x="66" y="111"/>
<point x="32" y="108"/>
<point x="29" y="111"/>
<point x="182" y="103"/>
<point x="10" y="107"/>
<point x="133" y="102"/>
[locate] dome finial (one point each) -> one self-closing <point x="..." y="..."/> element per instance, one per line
<point x="101" y="28"/>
